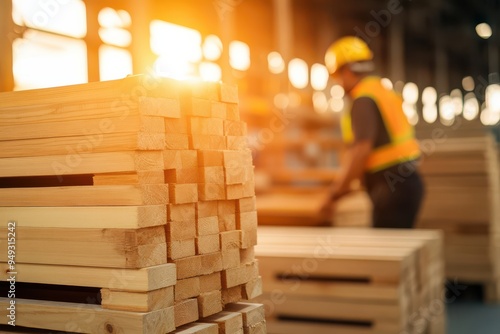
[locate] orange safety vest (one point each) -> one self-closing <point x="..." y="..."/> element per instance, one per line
<point x="402" y="146"/>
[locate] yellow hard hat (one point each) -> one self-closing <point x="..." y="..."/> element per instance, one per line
<point x="346" y="50"/>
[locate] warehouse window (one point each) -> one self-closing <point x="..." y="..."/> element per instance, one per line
<point x="51" y="51"/>
<point x="115" y="61"/>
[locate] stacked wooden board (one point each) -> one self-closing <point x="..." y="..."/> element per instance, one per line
<point x="463" y="193"/>
<point x="140" y="187"/>
<point x="347" y="280"/>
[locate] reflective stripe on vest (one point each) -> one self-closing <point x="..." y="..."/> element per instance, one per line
<point x="402" y="146"/>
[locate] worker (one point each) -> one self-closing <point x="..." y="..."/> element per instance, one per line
<point x="382" y="150"/>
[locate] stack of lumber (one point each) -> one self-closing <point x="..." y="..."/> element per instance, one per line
<point x="139" y="189"/>
<point x="351" y="280"/>
<point x="353" y="210"/>
<point x="462" y="181"/>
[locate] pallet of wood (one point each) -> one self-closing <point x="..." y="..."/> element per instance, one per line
<point x="141" y="189"/>
<point x="351" y="280"/>
<point x="463" y="192"/>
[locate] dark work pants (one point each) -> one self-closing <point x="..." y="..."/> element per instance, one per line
<point x="396" y="194"/>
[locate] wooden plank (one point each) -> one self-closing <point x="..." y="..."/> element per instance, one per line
<point x="210" y="263"/>
<point x="197" y="328"/>
<point x="228" y="322"/>
<point x="74" y="317"/>
<point x="173" y="159"/>
<point x="229" y="93"/>
<point x="211" y="191"/>
<point x="247" y="255"/>
<point x="140" y="177"/>
<point x="176" y="141"/>
<point x="188" y="267"/>
<point x="233" y="112"/>
<point x="207" y="142"/>
<point x="151" y="194"/>
<point x="206" y="126"/>
<point x="210" y="157"/>
<point x="300" y="327"/>
<point x="137" y="301"/>
<point x="206" y="244"/>
<point x="207" y="225"/>
<point x="194" y="106"/>
<point x="178" y="249"/>
<point x="230" y="259"/>
<point x="240" y="275"/>
<point x="182" y="175"/>
<point x="248" y="238"/>
<point x="252" y="313"/>
<point x="186" y="311"/>
<point x="232" y="295"/>
<point x="180" y="230"/>
<point x="211" y="174"/>
<point x="235" y="128"/>
<point x="183" y="193"/>
<point x="72" y="163"/>
<point x="176" y="125"/>
<point x="100" y="254"/>
<point x="109" y="217"/>
<point x="86" y="143"/>
<point x="219" y="110"/>
<point x="230" y="240"/>
<point x="187" y="288"/>
<point x="210" y="282"/>
<point x="206" y="209"/>
<point x="252" y="289"/>
<point x="227" y="222"/>
<point x="236" y="142"/>
<point x="145" y="279"/>
<point x="182" y="212"/>
<point x="209" y="303"/>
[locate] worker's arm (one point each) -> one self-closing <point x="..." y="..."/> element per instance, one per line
<point x="352" y="168"/>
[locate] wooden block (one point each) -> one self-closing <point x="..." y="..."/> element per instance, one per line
<point x="210" y="157"/>
<point x="180" y="230"/>
<point x="206" y="126"/>
<point x="236" y="142"/>
<point x="236" y="175"/>
<point x="252" y="289"/>
<point x="219" y="110"/>
<point x="173" y="159"/>
<point x="248" y="238"/>
<point x="176" y="126"/>
<point x="147" y="194"/>
<point x="231" y="295"/>
<point x="211" y="191"/>
<point x="182" y="212"/>
<point x="202" y="90"/>
<point x="207" y="142"/>
<point x="110" y="217"/>
<point x="178" y="249"/>
<point x="241" y="275"/>
<point x="176" y="141"/>
<point x="211" y="174"/>
<point x="247" y="255"/>
<point x="232" y="111"/>
<point x="183" y="193"/>
<point x="140" y="177"/>
<point x="228" y="322"/>
<point x="137" y="301"/>
<point x="246" y="221"/>
<point x="226" y="207"/>
<point x="206" y="209"/>
<point x="197" y="328"/>
<point x="249" y="188"/>
<point x="227" y="222"/>
<point x="59" y="316"/>
<point x="207" y="226"/>
<point x="209" y="303"/>
<point x="189" y="267"/>
<point x="260" y="328"/>
<point x="230" y="258"/>
<point x="85" y="143"/>
<point x="181" y="175"/>
<point x="187" y="288"/>
<point x="197" y="107"/>
<point x="210" y="263"/>
<point x="210" y="282"/>
<point x="228" y="93"/>
<point x="161" y="106"/>
<point x="206" y="244"/>
<point x="235" y="128"/>
<point x="185" y="312"/>
<point x="252" y="313"/>
<point x="246" y="204"/>
<point x="235" y="191"/>
<point x="230" y="240"/>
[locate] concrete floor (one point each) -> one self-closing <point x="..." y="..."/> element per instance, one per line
<point x="470" y="315"/>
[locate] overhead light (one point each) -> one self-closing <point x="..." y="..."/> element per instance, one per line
<point x="484" y="30"/>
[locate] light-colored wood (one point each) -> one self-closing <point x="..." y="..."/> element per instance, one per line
<point x="183" y="193"/>
<point x="86" y="143"/>
<point x="228" y="322"/>
<point x="252" y="313"/>
<point x="232" y="295"/>
<point x="180" y="159"/>
<point x="211" y="263"/>
<point x="180" y="230"/>
<point x="181" y="175"/>
<point x="240" y="275"/>
<point x="219" y="110"/>
<point x="260" y="328"/>
<point x="230" y="258"/>
<point x="138" y="301"/>
<point x="229" y="93"/>
<point x="247" y="255"/>
<point x="176" y="125"/>
<point x="176" y="141"/>
<point x="235" y="128"/>
<point x="230" y="240"/>
<point x="211" y="157"/>
<point x="150" y="194"/>
<point x="74" y="318"/>
<point x="178" y="249"/>
<point x="248" y="238"/>
<point x="252" y="289"/>
<point x="236" y="142"/>
<point x="197" y="107"/>
<point x="197" y="328"/>
<point x="209" y="303"/>
<point x="207" y="225"/>
<point x="206" y="126"/>
<point x="72" y="163"/>
<point x="227" y="222"/>
<point x="207" y="142"/>
<point x="211" y="191"/>
<point x="211" y="174"/>
<point x="141" y="177"/>
<point x="188" y="267"/>
<point x="182" y="212"/>
<point x="109" y="217"/>
<point x="186" y="311"/>
<point x="210" y="282"/>
<point x="145" y="279"/>
<point x="246" y="204"/>
<point x="233" y="113"/>
<point x="187" y="288"/>
<point x="206" y="209"/>
<point x="206" y="244"/>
